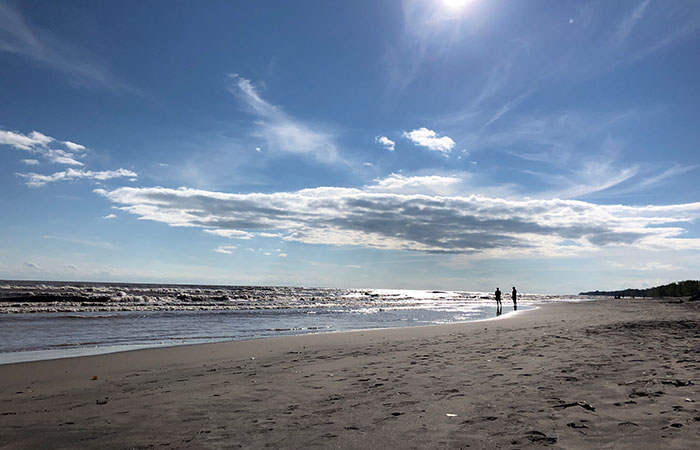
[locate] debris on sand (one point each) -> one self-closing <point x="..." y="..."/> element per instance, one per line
<point x="582" y="404"/>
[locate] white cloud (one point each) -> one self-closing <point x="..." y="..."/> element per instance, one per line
<point x="38" y="180"/>
<point x="431" y="184"/>
<point x="233" y="234"/>
<point x="269" y="235"/>
<point x="225" y="249"/>
<point x="74" y="147"/>
<point x="282" y="255"/>
<point x="371" y="218"/>
<point x="62" y="157"/>
<point x="42" y="139"/>
<point x="430" y="140"/>
<point x="22" y="142"/>
<point x="647" y="267"/>
<point x="31" y="265"/>
<point x="30" y="162"/>
<point x="37" y="143"/>
<point x="110" y="216"/>
<point x="282" y="132"/>
<point x="386" y="142"/>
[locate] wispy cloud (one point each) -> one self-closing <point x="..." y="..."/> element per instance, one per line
<point x="31" y="265"/>
<point x="429" y="139"/>
<point x="282" y="132"/>
<point x="38" y="180"/>
<point x="417" y="222"/>
<point x="670" y="173"/>
<point x="590" y="177"/>
<point x="546" y="54"/>
<point x="429" y="32"/>
<point x="651" y="27"/>
<point x="80" y="241"/>
<point x="554" y="136"/>
<point x="629" y="22"/>
<point x="19" y="37"/>
<point x="505" y="109"/>
<point x="576" y="152"/>
<point x="645" y="29"/>
<point x="647" y="267"/>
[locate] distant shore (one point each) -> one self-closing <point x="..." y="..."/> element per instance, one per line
<point x="600" y="374"/>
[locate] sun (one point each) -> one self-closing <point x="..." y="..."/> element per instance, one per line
<point x="454" y="5"/>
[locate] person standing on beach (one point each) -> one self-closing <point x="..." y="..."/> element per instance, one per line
<point x="514" y="296"/>
<point x="498" y="297"/>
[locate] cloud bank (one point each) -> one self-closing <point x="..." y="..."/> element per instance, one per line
<point x="377" y="218"/>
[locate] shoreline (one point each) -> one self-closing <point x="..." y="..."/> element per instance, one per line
<point x="516" y="383"/>
<point x="13" y="357"/>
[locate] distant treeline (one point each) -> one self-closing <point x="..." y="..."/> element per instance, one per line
<point x="688" y="288"/>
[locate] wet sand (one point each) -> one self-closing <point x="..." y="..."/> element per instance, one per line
<point x="604" y="374"/>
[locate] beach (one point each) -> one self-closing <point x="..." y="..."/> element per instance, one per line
<point x="591" y="375"/>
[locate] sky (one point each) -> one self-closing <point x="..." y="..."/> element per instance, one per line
<point x="432" y="144"/>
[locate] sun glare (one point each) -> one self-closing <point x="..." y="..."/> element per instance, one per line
<point x="454" y="5"/>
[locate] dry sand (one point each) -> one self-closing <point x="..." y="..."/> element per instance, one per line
<point x="604" y="374"/>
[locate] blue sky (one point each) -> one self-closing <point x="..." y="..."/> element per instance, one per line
<point x="427" y="144"/>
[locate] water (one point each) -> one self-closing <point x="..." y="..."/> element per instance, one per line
<point x="45" y="321"/>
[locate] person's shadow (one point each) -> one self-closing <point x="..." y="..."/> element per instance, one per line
<point x="499" y="310"/>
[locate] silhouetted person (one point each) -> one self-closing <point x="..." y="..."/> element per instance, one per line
<point x="514" y="296"/>
<point x="498" y="297"/>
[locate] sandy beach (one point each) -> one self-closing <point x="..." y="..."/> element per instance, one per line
<point x="594" y="375"/>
